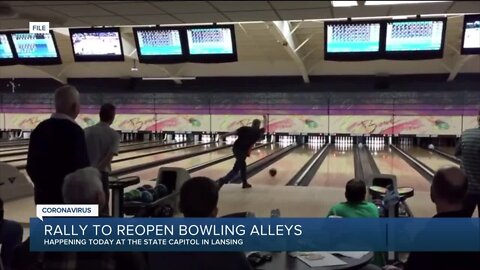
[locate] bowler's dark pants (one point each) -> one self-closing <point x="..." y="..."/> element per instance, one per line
<point x="239" y="166"/>
<point x="105" y="184"/>
<point x="472" y="201"/>
<point x="11" y="235"/>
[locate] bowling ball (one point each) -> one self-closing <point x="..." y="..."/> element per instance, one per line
<point x="154" y="193"/>
<point x="272" y="172"/>
<point x="141" y="189"/>
<point x="161" y="190"/>
<point x="147" y="197"/>
<point x="164" y="211"/>
<point x="431" y="147"/>
<point x="147" y="186"/>
<point x="360" y="145"/>
<point x="136" y="195"/>
<point x="127" y="196"/>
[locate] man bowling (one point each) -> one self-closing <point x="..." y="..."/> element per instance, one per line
<point x="247" y="137"/>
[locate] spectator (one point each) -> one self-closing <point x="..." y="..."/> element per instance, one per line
<point x="448" y="190"/>
<point x="199" y="198"/>
<point x="355" y="206"/>
<point x="84" y="186"/>
<point x="11" y="234"/>
<point x="102" y="144"/>
<point x="57" y="148"/>
<point x="468" y="149"/>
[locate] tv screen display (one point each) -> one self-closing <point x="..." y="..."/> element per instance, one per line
<point x="97" y="44"/>
<point x="5" y="49"/>
<point x="159" y="45"/>
<point x="35" y="48"/>
<point x="6" y="52"/>
<point x="471" y="34"/>
<point x="354" y="37"/>
<point x="414" y="36"/>
<point x="210" y="43"/>
<point x="351" y="41"/>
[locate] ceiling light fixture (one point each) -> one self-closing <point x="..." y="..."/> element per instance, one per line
<point x="382" y="3"/>
<point x="344" y="3"/>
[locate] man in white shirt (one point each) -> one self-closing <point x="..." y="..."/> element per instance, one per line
<point x="102" y="144"/>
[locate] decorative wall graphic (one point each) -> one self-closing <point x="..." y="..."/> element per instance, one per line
<point x="87" y="120"/>
<point x="23" y="120"/>
<point x="180" y="123"/>
<point x="224" y="123"/>
<point x="427" y="125"/>
<point x="470" y="122"/>
<point x="360" y="124"/>
<point x="298" y="123"/>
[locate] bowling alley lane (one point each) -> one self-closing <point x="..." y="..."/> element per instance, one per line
<point x="151" y="173"/>
<point x="135" y="161"/>
<point x="221" y="169"/>
<point x="336" y="169"/>
<point x="432" y="160"/>
<point x="286" y="167"/>
<point x="389" y="162"/>
<point x="120" y="156"/>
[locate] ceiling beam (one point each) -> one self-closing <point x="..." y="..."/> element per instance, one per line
<point x="282" y="30"/>
<point x="458" y="65"/>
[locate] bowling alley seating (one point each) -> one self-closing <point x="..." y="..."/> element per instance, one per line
<point x="388" y="196"/>
<point x="173" y="178"/>
<point x="13" y="183"/>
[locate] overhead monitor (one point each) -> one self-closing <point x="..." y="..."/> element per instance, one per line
<point x="35" y="49"/>
<point x="352" y="40"/>
<point x="415" y="39"/>
<point x="160" y="45"/>
<point x="212" y="44"/>
<point x="6" y="52"/>
<point x="471" y="34"/>
<point x="96" y="44"/>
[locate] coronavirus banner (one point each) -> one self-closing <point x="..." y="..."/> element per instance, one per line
<point x="247" y="234"/>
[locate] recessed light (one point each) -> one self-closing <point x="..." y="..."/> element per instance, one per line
<point x="344" y="3"/>
<point x="379" y="3"/>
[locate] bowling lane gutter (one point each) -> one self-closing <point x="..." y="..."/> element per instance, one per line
<point x="305" y="175"/>
<point x="419" y="166"/>
<point x="21" y="167"/>
<point x="148" y="165"/>
<point x="452" y="158"/>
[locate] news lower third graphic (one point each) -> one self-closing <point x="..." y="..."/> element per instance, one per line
<point x="78" y="228"/>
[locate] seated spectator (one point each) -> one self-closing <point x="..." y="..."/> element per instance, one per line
<point x="199" y="198"/>
<point x="11" y="234"/>
<point x="84" y="186"/>
<point x="448" y="191"/>
<point x="355" y="206"/>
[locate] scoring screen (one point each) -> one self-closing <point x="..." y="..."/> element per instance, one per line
<point x="471" y="38"/>
<point x="97" y="43"/>
<point x="414" y="36"/>
<point x="159" y="42"/>
<point x="5" y="50"/>
<point x="34" y="45"/>
<point x="210" y="41"/>
<point x="358" y="37"/>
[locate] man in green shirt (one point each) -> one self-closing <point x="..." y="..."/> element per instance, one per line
<point x="355" y="206"/>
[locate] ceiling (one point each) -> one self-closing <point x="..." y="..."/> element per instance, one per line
<point x="260" y="40"/>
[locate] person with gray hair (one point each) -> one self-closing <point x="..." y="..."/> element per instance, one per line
<point x="84" y="186"/>
<point x="57" y="147"/>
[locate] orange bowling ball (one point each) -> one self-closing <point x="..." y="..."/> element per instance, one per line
<point x="272" y="172"/>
